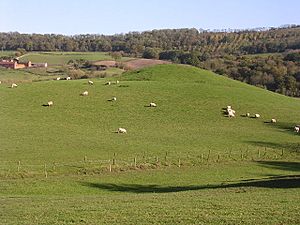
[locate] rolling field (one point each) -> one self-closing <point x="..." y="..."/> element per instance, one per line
<point x="183" y="162"/>
<point x="60" y="58"/>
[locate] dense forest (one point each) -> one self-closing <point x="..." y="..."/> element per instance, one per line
<point x="269" y="58"/>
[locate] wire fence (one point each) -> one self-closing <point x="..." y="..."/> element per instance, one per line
<point x="21" y="169"/>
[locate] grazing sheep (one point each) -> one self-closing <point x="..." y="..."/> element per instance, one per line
<point x="58" y="78"/>
<point x="117" y="82"/>
<point x="297" y="128"/>
<point x="50" y="103"/>
<point x="231" y="113"/>
<point x="122" y="130"/>
<point x="256" y="115"/>
<point x="0" y="82"/>
<point x="247" y="114"/>
<point x="273" y="120"/>
<point x="108" y="83"/>
<point x="152" y="104"/>
<point x="68" y="78"/>
<point x="114" y="99"/>
<point x="13" y="85"/>
<point x="85" y="93"/>
<point x="90" y="82"/>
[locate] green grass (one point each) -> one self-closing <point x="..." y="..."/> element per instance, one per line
<point x="7" y="53"/>
<point x="60" y="58"/>
<point x="218" y="154"/>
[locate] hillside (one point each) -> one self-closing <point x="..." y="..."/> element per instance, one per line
<point x="66" y="164"/>
<point x="189" y="116"/>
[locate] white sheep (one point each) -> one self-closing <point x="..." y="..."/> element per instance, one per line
<point x="50" y="103"/>
<point x="228" y="107"/>
<point x="0" y="82"/>
<point x="68" y="78"/>
<point x="256" y="115"/>
<point x="90" y="82"/>
<point x="58" y="78"/>
<point x="273" y="120"/>
<point x="114" y="99"/>
<point x="297" y="128"/>
<point x="13" y="85"/>
<point x="122" y="130"/>
<point x="108" y="83"/>
<point x="231" y="113"/>
<point x="85" y="93"/>
<point x="152" y="104"/>
<point x="117" y="82"/>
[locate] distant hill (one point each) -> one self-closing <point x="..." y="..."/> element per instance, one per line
<point x="274" y="50"/>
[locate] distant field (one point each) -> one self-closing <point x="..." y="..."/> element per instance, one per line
<point x="7" y="53"/>
<point x="183" y="162"/>
<point x="60" y="58"/>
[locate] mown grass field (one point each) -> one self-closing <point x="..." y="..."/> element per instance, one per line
<point x="193" y="164"/>
<point x="61" y="58"/>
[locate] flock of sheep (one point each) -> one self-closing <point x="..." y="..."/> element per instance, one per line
<point x="86" y="93"/>
<point x="231" y="113"/>
<point x="228" y="110"/>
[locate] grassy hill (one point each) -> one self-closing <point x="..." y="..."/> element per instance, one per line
<point x="194" y="165"/>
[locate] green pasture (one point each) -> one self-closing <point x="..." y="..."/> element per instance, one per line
<point x="61" y="58"/>
<point x="183" y="162"/>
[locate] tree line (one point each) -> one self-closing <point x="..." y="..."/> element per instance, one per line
<point x="266" y="58"/>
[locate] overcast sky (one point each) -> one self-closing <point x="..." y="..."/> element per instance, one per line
<point x="111" y="17"/>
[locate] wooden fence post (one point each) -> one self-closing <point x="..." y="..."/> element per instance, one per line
<point x="209" y="151"/>
<point x="134" y="162"/>
<point x="19" y="165"/>
<point x="45" y="170"/>
<point x="114" y="159"/>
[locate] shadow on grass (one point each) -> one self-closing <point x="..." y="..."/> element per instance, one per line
<point x="283" y="126"/>
<point x="273" y="182"/>
<point x="292" y="147"/>
<point x="281" y="165"/>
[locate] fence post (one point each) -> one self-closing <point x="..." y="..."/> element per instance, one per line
<point x="19" y="165"/>
<point x="134" y="162"/>
<point x="209" y="151"/>
<point x="45" y="170"/>
<point x="110" y="166"/>
<point x="114" y="159"/>
<point x="179" y="163"/>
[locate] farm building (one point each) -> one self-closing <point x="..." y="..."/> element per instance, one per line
<point x="14" y="64"/>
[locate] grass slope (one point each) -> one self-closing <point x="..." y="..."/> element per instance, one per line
<point x="187" y="124"/>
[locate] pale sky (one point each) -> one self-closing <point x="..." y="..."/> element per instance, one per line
<point x="110" y="17"/>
